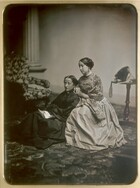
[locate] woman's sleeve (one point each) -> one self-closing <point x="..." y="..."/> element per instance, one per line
<point x="57" y="100"/>
<point x="63" y="112"/>
<point x="55" y="103"/>
<point x="97" y="91"/>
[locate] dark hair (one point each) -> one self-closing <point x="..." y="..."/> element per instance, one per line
<point x="73" y="78"/>
<point x="88" y="62"/>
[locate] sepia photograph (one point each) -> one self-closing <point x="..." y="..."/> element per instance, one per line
<point x="70" y="94"/>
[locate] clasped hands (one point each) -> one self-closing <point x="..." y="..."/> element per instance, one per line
<point x="78" y="91"/>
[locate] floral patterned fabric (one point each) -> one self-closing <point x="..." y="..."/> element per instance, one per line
<point x="17" y="71"/>
<point x="36" y="88"/>
<point x="16" y="68"/>
<point x="36" y="92"/>
<point x="92" y="86"/>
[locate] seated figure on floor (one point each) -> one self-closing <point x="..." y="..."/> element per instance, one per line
<point x="46" y="125"/>
<point x="93" y="124"/>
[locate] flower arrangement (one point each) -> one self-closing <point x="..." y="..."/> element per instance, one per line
<point x="16" y="68"/>
<point x="17" y="71"/>
<point x="36" y="88"/>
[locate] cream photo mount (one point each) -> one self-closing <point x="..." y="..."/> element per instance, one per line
<point x="37" y="69"/>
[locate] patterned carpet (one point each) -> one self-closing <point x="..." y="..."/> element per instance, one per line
<point x="61" y="164"/>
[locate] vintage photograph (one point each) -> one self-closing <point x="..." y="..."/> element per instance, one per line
<point x="70" y="94"/>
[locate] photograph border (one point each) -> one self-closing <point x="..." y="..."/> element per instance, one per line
<point x="3" y="4"/>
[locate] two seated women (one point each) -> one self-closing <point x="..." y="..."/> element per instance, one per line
<point x="81" y="116"/>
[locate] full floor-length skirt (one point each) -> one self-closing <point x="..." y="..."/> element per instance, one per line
<point x="85" y="130"/>
<point x="40" y="132"/>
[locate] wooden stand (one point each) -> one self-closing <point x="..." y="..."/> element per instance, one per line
<point x="127" y="101"/>
<point x="126" y="109"/>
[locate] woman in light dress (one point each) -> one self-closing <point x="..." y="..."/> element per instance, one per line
<point x="93" y="124"/>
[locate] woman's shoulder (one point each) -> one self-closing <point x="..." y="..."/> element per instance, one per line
<point x="72" y="97"/>
<point x="59" y="95"/>
<point x="96" y="77"/>
<point x="81" y="77"/>
<point x="62" y="93"/>
<point x="65" y="95"/>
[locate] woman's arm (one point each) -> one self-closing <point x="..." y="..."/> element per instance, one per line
<point x="63" y="106"/>
<point x="80" y="93"/>
<point x="97" y="91"/>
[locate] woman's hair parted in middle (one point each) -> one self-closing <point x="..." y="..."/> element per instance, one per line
<point x="73" y="78"/>
<point x="88" y="62"/>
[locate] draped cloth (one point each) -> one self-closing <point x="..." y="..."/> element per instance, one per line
<point x="85" y="130"/>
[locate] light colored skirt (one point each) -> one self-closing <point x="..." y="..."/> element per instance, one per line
<point x="85" y="130"/>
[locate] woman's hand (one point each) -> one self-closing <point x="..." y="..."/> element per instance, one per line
<point x="77" y="90"/>
<point x="80" y="93"/>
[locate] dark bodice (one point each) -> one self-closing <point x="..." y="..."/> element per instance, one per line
<point x="63" y="105"/>
<point x="66" y="99"/>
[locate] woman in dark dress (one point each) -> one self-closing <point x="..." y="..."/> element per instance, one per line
<point x="46" y="126"/>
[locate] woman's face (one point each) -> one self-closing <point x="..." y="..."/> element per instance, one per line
<point x="68" y="84"/>
<point x="84" y="68"/>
